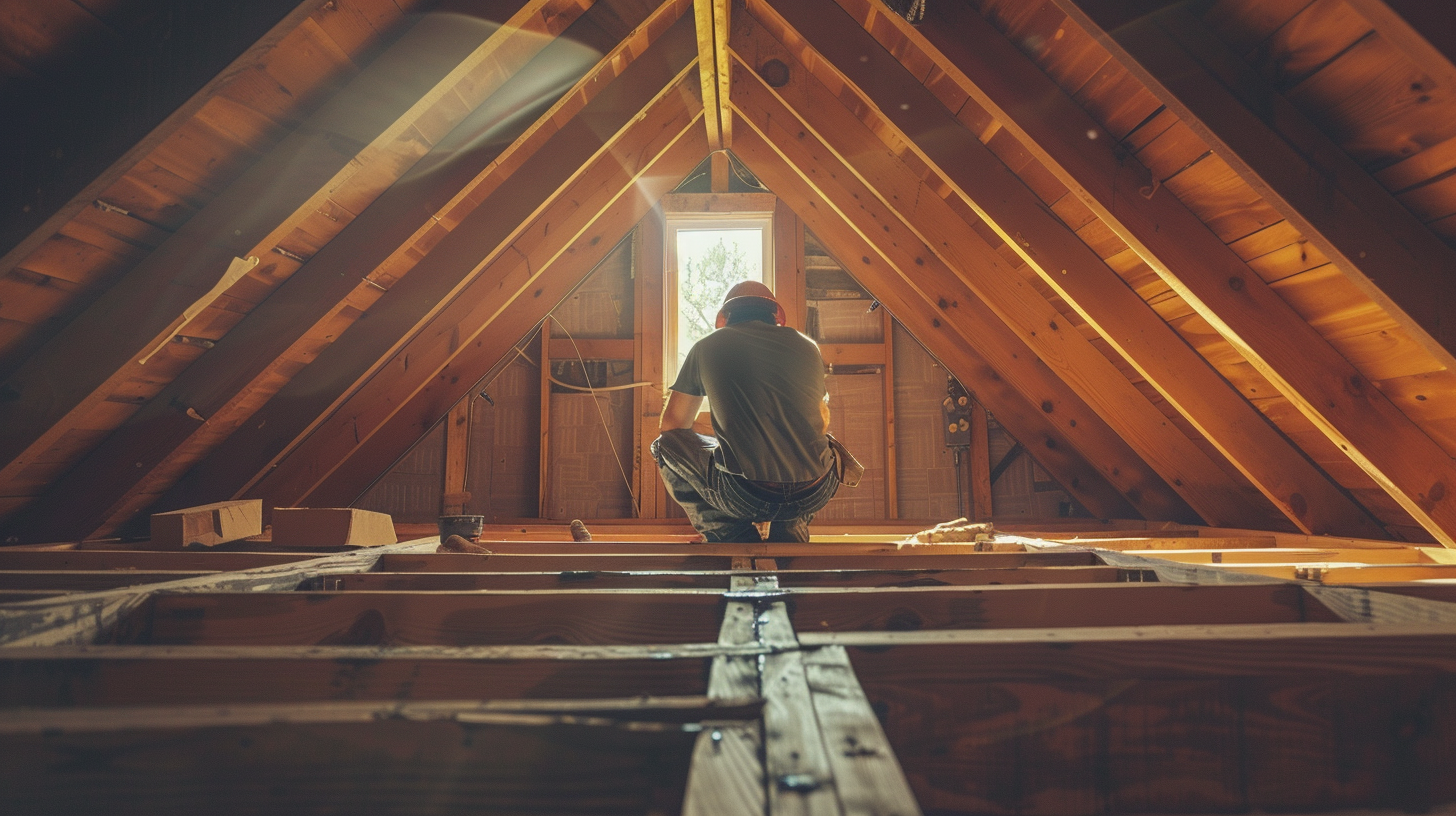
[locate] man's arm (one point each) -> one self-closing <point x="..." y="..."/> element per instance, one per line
<point x="681" y="411"/>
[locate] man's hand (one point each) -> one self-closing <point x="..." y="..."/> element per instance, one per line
<point x="824" y="413"/>
<point x="681" y="411"/>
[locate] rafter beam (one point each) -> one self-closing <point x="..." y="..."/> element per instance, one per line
<point x="1306" y="496"/>
<point x="511" y="178"/>
<point x="1191" y="259"/>
<point x="1379" y="245"/>
<point x="270" y="201"/>
<point x="910" y="211"/>
<point x="379" y="424"/>
<point x="708" y="71"/>
<point x="980" y="352"/>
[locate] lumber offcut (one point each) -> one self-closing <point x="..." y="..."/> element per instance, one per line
<point x="207" y="525"/>
<point x="331" y="527"/>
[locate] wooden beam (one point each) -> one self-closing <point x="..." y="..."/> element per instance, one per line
<point x="1422" y="31"/>
<point x="708" y="72"/>
<point x="457" y="458"/>
<point x="246" y="362"/>
<point x="987" y="358"/>
<point x="371" y="124"/>
<point x="158" y="104"/>
<point x="655" y="579"/>
<point x="980" y="466"/>
<point x="1380" y="245"/>
<point x="129" y="675"/>
<point x="903" y="195"/>
<point x="90" y="617"/>
<point x="1039" y="606"/>
<point x="1302" y="493"/>
<point x="543" y="421"/>
<point x="390" y="618"/>
<point x="560" y="248"/>
<point x="687" y="559"/>
<point x="84" y="580"/>
<point x="251" y="450"/>
<point x="647" y="363"/>
<point x="1174" y="651"/>
<point x="470" y="764"/>
<point x="1223" y="290"/>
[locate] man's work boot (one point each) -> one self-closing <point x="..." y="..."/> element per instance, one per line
<point x="788" y="531"/>
<point x="579" y="532"/>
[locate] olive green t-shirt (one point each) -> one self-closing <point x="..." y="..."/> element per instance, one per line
<point x="764" y="385"/>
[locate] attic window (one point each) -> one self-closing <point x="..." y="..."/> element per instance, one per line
<point x="706" y="254"/>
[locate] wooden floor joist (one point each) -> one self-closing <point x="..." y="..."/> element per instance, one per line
<point x="848" y="678"/>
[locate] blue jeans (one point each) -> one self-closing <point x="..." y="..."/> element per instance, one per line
<point x="723" y="506"/>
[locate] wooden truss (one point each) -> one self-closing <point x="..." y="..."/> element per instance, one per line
<point x="1132" y="668"/>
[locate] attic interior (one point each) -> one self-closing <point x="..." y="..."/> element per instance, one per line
<point x="1153" y="298"/>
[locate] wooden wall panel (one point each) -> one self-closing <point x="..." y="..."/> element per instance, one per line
<point x="410" y="491"/>
<point x="924" y="466"/>
<point x="502" y="476"/>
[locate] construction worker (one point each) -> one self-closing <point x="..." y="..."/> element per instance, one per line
<point x="771" y="458"/>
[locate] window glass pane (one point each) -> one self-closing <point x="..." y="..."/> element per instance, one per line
<point x="708" y="262"/>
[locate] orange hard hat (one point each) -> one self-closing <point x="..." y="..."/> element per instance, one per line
<point x="749" y="291"/>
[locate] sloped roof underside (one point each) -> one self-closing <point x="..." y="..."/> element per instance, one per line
<point x="1196" y="259"/>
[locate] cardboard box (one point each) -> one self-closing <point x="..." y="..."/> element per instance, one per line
<point x="316" y="527"/>
<point x="207" y="525"/>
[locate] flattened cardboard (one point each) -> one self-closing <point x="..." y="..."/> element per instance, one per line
<point x="317" y="527"/>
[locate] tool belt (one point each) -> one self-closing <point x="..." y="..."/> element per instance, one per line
<point x="849" y="469"/>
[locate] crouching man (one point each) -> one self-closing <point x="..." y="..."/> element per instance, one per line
<point x="772" y="459"/>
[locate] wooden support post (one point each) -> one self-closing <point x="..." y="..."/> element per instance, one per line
<point x="543" y="490"/>
<point x="648" y="315"/>
<point x="980" y="454"/>
<point x="887" y="374"/>
<point x="453" y="496"/>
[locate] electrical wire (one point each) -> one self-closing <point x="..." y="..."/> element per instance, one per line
<point x="626" y="480"/>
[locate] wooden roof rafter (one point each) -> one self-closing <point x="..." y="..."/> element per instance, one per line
<point x="1306" y="496"/>
<point x="1360" y="420"/>
<point x="1373" y="239"/>
<point x="410" y="116"/>
<point x="918" y="212"/>
<point x="1014" y="385"/>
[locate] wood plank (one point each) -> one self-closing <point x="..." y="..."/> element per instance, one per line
<point x="95" y="560"/>
<point x="933" y="282"/>
<point x="463" y="619"/>
<point x="648" y="322"/>
<point x="1173" y="651"/>
<point x="248" y="355"/>
<point x="654" y="579"/>
<point x="1164" y="447"/>
<point x="152" y="675"/>
<point x="148" y="301"/>
<point x="1280" y="344"/>
<point x="1040" y="606"/>
<point x="592" y="224"/>
<point x="1305" y="495"/>
<point x="867" y="776"/>
<point x="798" y="559"/>
<point x="1193" y="745"/>
<point x="158" y="104"/>
<point x="708" y="72"/>
<point x="239" y="460"/>
<point x="1279" y="152"/>
<point x="89" y="579"/>
<point x="457" y="458"/>
<point x="208" y="525"/>
<point x="534" y="764"/>
<point x="90" y="617"/>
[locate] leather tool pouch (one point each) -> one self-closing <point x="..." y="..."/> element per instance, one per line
<point x="849" y="468"/>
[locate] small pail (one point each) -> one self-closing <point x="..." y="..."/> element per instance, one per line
<point x="467" y="527"/>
